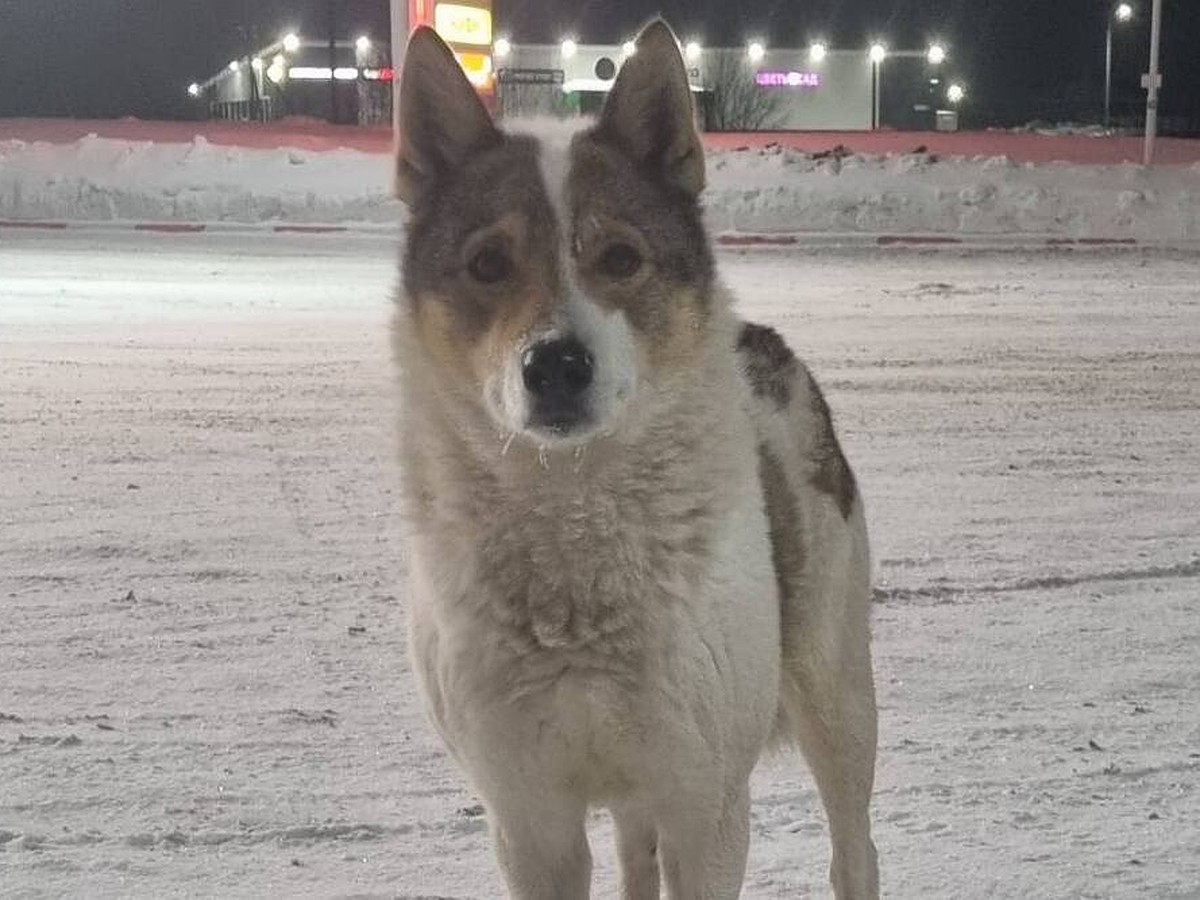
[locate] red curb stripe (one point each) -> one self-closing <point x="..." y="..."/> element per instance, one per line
<point x="170" y="227"/>
<point x="757" y="240"/>
<point x="310" y="229"/>
<point x="889" y="240"/>
<point x="48" y="226"/>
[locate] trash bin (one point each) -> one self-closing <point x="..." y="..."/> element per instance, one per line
<point x="946" y="120"/>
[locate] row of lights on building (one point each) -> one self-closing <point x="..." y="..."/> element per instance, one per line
<point x="935" y="55"/>
<point x="755" y="50"/>
<point x="692" y="50"/>
<point x="278" y="69"/>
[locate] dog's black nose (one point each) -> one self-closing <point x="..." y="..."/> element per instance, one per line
<point x="557" y="371"/>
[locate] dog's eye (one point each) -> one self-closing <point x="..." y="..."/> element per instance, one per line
<point x="490" y="265"/>
<point x="620" y="260"/>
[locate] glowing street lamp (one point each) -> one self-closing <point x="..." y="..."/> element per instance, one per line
<point x="756" y="51"/>
<point x="193" y="90"/>
<point x="235" y="66"/>
<point x="936" y="55"/>
<point x="363" y="44"/>
<point x="955" y="93"/>
<point x="291" y="42"/>
<point x="816" y="52"/>
<point x="692" y="51"/>
<point x="569" y="48"/>
<point x="877" y="54"/>
<point x="1122" y="13"/>
<point x="502" y="48"/>
<point x="628" y="48"/>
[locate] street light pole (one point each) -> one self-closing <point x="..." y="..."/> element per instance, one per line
<point x="1123" y="13"/>
<point x="331" y="11"/>
<point x="874" y="96"/>
<point x="1152" y="84"/>
<point x="877" y="54"/>
<point x="1108" y="74"/>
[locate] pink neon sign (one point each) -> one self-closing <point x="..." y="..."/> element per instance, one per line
<point x="788" y="79"/>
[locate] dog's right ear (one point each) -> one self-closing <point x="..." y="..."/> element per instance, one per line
<point x="440" y="121"/>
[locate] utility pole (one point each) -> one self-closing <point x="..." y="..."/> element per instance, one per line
<point x="331" y="9"/>
<point x="1152" y="84"/>
<point x="400" y="29"/>
<point x="1108" y="75"/>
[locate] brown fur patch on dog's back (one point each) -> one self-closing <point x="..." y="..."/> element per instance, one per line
<point x="777" y="376"/>
<point x="770" y="363"/>
<point x="834" y="475"/>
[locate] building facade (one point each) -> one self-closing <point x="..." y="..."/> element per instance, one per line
<point x="348" y="82"/>
<point x="781" y="89"/>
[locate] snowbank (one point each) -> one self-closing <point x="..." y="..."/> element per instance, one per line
<point x="770" y="189"/>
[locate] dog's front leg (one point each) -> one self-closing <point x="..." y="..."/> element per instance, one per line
<point x="704" y="846"/>
<point x="541" y="843"/>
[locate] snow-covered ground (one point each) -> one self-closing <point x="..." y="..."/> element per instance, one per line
<point x="751" y="189"/>
<point x="203" y="686"/>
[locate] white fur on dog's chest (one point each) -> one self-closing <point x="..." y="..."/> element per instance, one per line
<point x="567" y="681"/>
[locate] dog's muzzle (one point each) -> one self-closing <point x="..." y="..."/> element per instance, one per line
<point x="557" y="374"/>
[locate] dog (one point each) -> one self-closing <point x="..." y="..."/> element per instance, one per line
<point x="637" y="554"/>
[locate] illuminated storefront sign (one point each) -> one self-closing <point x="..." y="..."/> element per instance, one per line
<point x="788" y="79"/>
<point x="341" y="73"/>
<point x="420" y="12"/>
<point x="464" y="26"/>
<point x="478" y="67"/>
<point x="458" y="24"/>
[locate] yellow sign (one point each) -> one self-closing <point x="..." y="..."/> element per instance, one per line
<point x="478" y="67"/>
<point x="458" y="24"/>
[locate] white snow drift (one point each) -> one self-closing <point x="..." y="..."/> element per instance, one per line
<point x="768" y="190"/>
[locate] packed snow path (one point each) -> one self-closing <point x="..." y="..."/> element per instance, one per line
<point x="203" y="684"/>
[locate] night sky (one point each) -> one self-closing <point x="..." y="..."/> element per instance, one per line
<point x="1022" y="59"/>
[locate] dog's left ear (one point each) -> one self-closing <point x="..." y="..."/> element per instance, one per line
<point x="649" y="112"/>
<point x="440" y="121"/>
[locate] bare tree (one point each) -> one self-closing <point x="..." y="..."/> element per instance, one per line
<point x="734" y="101"/>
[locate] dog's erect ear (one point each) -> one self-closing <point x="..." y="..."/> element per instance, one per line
<point x="441" y="120"/>
<point x="649" y="112"/>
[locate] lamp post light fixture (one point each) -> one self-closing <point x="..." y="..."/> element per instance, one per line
<point x="502" y="48"/>
<point x="628" y="48"/>
<point x="756" y="51"/>
<point x="568" y="48"/>
<point x="235" y="66"/>
<point x="1122" y="13"/>
<point x="193" y="90"/>
<point x="816" y="51"/>
<point x="877" y="54"/>
<point x="955" y="93"/>
<point x="692" y="51"/>
<point x="936" y="55"/>
<point x="363" y="44"/>
<point x="291" y="42"/>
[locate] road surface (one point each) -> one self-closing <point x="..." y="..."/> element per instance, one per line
<point x="203" y="687"/>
